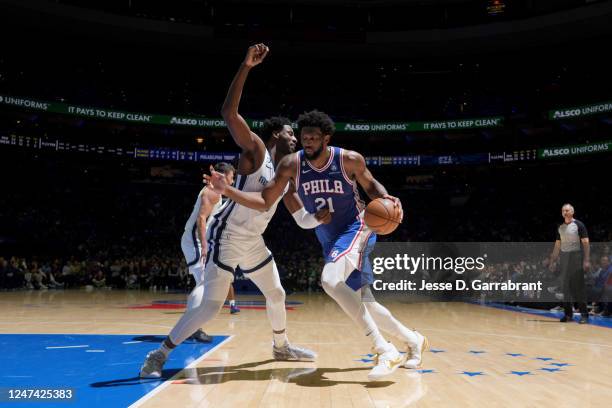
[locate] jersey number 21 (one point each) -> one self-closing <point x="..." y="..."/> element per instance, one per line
<point x="320" y="203"/>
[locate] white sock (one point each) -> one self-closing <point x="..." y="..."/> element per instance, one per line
<point x="232" y="303"/>
<point x="378" y="341"/>
<point x="349" y="300"/>
<point x="280" y="337"/>
<point x="389" y="324"/>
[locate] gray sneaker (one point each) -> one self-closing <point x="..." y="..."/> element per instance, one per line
<point x="290" y="352"/>
<point x="201" y="336"/>
<point x="153" y="365"/>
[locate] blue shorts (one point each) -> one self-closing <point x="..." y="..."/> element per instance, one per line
<point x="355" y="244"/>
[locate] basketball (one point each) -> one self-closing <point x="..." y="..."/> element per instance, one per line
<point x="381" y="216"/>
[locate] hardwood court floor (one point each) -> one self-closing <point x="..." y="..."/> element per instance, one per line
<point x="480" y="356"/>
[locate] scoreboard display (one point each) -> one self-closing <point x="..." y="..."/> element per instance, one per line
<point x="57" y="145"/>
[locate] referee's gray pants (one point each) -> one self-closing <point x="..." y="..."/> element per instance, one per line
<point x="574" y="289"/>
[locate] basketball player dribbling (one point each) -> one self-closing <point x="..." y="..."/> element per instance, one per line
<point x="326" y="178"/>
<point x="234" y="235"/>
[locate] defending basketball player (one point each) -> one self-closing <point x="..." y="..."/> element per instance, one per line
<point x="326" y="178"/>
<point x="234" y="235"/>
<point x="208" y="203"/>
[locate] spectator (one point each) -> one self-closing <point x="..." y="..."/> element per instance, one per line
<point x="601" y="292"/>
<point x="98" y="280"/>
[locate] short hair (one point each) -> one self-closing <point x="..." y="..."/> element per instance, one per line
<point x="318" y="119"/>
<point x="271" y="125"/>
<point x="223" y="167"/>
<point x="568" y="205"/>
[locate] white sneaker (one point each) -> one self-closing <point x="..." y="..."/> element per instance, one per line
<point x="386" y="363"/>
<point x="415" y="353"/>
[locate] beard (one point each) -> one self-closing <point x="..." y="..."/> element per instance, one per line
<point x="286" y="149"/>
<point x="314" y="155"/>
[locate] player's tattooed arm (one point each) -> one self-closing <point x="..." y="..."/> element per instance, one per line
<point x="252" y="146"/>
<point x="356" y="168"/>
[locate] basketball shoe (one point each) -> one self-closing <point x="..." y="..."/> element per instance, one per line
<point x="387" y="361"/>
<point x="415" y="353"/>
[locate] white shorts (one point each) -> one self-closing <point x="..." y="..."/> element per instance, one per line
<point x="192" y="250"/>
<point x="248" y="252"/>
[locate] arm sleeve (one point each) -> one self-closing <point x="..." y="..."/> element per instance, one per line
<point x="305" y="219"/>
<point x="558" y="235"/>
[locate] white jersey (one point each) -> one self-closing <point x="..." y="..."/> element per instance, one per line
<point x="192" y="221"/>
<point x="236" y="219"/>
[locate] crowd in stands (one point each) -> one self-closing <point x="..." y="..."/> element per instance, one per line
<point x="132" y="273"/>
<point x="70" y="222"/>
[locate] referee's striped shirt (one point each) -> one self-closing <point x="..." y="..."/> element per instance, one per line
<point x="570" y="235"/>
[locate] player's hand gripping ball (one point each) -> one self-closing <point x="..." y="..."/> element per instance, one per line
<point x="382" y="216"/>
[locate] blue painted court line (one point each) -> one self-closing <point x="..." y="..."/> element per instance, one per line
<point x="594" y="320"/>
<point x="107" y="377"/>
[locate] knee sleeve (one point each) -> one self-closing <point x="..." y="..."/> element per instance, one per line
<point x="203" y="303"/>
<point x="268" y="281"/>
<point x="333" y="274"/>
<point x="276" y="295"/>
<point x="193" y="319"/>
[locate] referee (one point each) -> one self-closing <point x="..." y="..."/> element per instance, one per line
<point x="573" y="243"/>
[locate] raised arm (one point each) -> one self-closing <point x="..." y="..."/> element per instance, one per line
<point x="258" y="201"/>
<point x="248" y="141"/>
<point x="357" y="170"/>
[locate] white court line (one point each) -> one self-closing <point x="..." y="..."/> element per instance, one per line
<point x="166" y="383"/>
<point x="131" y="342"/>
<point x="95" y="351"/>
<point x="67" y="347"/>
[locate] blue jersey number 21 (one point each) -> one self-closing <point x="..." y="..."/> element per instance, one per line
<point x="321" y="202"/>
